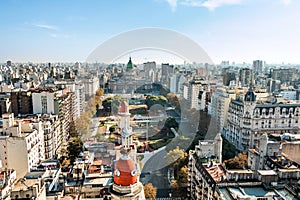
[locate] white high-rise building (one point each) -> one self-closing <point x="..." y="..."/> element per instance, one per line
<point x="43" y="102"/>
<point x="219" y="106"/>
<point x="258" y="66"/>
<point x="21" y="144"/>
<point x="91" y="85"/>
<point x="77" y="87"/>
<point x="176" y="82"/>
<point x="193" y="93"/>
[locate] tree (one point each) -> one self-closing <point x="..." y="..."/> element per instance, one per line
<point x="90" y="108"/>
<point x="107" y="104"/>
<point x="173" y="99"/>
<point x="175" y="157"/>
<point x="150" y="191"/>
<point x="152" y="100"/>
<point x="74" y="148"/>
<point x="238" y="162"/>
<point x="98" y="95"/>
<point x="112" y="104"/>
<point x="183" y="174"/>
<point x="72" y="131"/>
<point x="83" y="123"/>
<point x="171" y="123"/>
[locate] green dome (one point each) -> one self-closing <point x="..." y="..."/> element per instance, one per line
<point x="129" y="64"/>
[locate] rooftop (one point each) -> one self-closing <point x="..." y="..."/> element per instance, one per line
<point x="98" y="181"/>
<point x="216" y="171"/>
<point x="250" y="192"/>
<point x="24" y="184"/>
<point x="267" y="172"/>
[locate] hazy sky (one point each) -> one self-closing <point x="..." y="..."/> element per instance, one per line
<point x="235" y="30"/>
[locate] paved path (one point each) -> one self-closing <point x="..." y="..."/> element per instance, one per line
<point x="148" y="154"/>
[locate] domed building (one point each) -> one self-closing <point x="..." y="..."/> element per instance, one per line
<point x="250" y="96"/>
<point x="126" y="185"/>
<point x="129" y="64"/>
<point x="126" y="171"/>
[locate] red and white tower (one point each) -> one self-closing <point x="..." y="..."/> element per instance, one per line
<point x="126" y="185"/>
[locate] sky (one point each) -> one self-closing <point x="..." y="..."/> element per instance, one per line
<point x="68" y="31"/>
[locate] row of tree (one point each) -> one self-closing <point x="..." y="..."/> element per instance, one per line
<point x="83" y="122"/>
<point x="81" y="127"/>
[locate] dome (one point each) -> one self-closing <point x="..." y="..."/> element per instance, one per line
<point x="129" y="64"/>
<point x="250" y="96"/>
<point x="123" y="107"/>
<point x="125" y="172"/>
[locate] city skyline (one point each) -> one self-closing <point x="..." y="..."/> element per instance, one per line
<point x="235" y="30"/>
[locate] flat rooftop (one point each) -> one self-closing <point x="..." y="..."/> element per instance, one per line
<point x="97" y="181"/>
<point x="230" y="193"/>
<point x="267" y="172"/>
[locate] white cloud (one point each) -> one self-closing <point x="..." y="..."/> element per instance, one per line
<point x="46" y="26"/>
<point x="210" y="4"/>
<point x="173" y="4"/>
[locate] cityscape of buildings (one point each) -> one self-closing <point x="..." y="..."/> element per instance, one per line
<point x="152" y="99"/>
<point x="254" y="108"/>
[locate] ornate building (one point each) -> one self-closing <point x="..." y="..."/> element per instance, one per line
<point x="249" y="117"/>
<point x="126" y="171"/>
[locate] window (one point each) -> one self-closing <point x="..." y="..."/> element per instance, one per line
<point x="44" y="104"/>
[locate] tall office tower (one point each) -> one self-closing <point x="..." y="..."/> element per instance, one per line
<point x="246" y="77"/>
<point x="150" y="71"/>
<point x="284" y="75"/>
<point x="193" y="93"/>
<point x="258" y="67"/>
<point x="228" y="77"/>
<point x="166" y="71"/>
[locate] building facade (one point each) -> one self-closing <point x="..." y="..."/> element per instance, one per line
<point x="248" y="118"/>
<point x="21" y="144"/>
<point x="21" y="102"/>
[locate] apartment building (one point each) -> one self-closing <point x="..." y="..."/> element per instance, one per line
<point x="249" y="117"/>
<point x="21" y="144"/>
